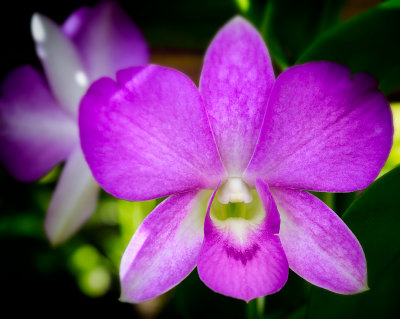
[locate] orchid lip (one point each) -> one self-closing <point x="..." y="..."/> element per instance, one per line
<point x="234" y="190"/>
<point x="238" y="218"/>
<point x="260" y="144"/>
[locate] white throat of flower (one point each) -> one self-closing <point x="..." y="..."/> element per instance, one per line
<point x="234" y="190"/>
<point x="238" y="210"/>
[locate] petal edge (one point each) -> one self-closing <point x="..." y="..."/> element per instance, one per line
<point x="323" y="130"/>
<point x="147" y="136"/>
<point x="242" y="258"/>
<point x="164" y="250"/>
<point x="318" y="244"/>
<point x="235" y="83"/>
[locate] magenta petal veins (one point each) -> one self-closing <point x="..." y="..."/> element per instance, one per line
<point x="243" y="257"/>
<point x="150" y="135"/>
<point x="165" y="248"/>
<point x="318" y="244"/>
<point x="324" y="130"/>
<point x="235" y="83"/>
<point x="164" y="144"/>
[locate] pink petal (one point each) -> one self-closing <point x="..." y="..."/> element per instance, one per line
<point x="107" y="40"/>
<point x="35" y="133"/>
<point x="324" y="130"/>
<point x="73" y="201"/>
<point x="61" y="61"/>
<point x="244" y="258"/>
<point x="77" y="20"/>
<point x="147" y="136"/>
<point x="164" y="249"/>
<point x="318" y="244"/>
<point x="235" y="83"/>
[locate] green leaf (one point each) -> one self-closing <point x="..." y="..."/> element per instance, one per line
<point x="131" y="215"/>
<point x="394" y="156"/>
<point x="253" y="10"/>
<point x="180" y="24"/>
<point x="375" y="220"/>
<point x="289" y="27"/>
<point x="368" y="42"/>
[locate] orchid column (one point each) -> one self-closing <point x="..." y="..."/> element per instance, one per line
<point x="250" y="140"/>
<point x="39" y="114"/>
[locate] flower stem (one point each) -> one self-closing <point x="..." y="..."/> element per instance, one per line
<point x="255" y="308"/>
<point x="260" y="306"/>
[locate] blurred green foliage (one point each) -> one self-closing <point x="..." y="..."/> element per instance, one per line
<point x="131" y="215"/>
<point x="290" y="27"/>
<point x="367" y="43"/>
<point x="375" y="220"/>
<point x="180" y="24"/>
<point x="394" y="156"/>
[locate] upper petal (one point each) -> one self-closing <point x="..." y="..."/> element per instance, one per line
<point x="61" y="61"/>
<point x="73" y="201"/>
<point x="324" y="130"/>
<point x="148" y="136"/>
<point x="243" y="258"/>
<point x="106" y="39"/>
<point x="318" y="244"/>
<point x="76" y="22"/>
<point x="235" y="83"/>
<point x="164" y="250"/>
<point x="35" y="133"/>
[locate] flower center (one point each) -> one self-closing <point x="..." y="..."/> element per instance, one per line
<point x="238" y="219"/>
<point x="234" y="190"/>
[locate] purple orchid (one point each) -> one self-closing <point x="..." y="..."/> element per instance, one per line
<point x="39" y="125"/>
<point x="259" y="143"/>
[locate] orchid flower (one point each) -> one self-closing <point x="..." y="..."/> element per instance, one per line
<point x="248" y="144"/>
<point x="39" y="116"/>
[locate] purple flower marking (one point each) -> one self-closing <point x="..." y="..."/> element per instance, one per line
<point x="38" y="115"/>
<point x="242" y="255"/>
<point x="248" y="137"/>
